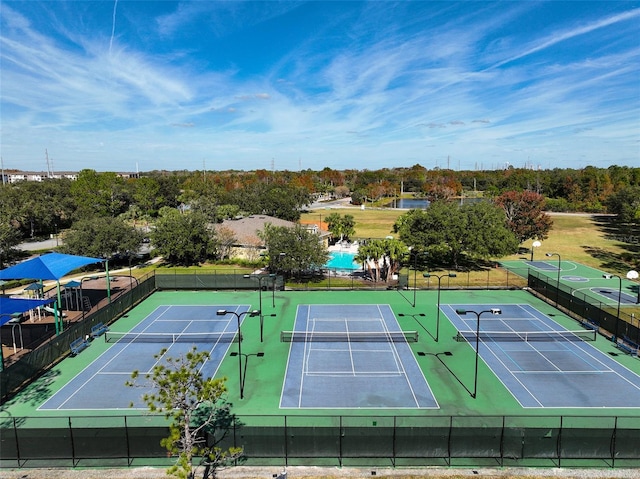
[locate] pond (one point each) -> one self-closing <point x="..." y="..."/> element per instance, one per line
<point x="408" y="203"/>
<point x="422" y="203"/>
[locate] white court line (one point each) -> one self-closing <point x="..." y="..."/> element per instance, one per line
<point x="353" y="366"/>
<point x="399" y="361"/>
<point x="95" y="374"/>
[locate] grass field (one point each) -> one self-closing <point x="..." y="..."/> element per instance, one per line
<point x="583" y="238"/>
<point x="579" y="237"/>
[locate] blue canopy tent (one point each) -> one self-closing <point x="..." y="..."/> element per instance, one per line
<point x="51" y="266"/>
<point x="9" y="307"/>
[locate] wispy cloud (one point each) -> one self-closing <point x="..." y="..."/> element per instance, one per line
<point x="379" y="82"/>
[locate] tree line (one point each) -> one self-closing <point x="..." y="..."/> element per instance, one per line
<point x="104" y="201"/>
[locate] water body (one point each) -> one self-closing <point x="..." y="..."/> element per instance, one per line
<point x="422" y="203"/>
<point x="342" y="260"/>
<point x="408" y="203"/>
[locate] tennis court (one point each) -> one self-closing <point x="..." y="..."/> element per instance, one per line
<point x="101" y="385"/>
<point x="352" y="356"/>
<point x="541" y="363"/>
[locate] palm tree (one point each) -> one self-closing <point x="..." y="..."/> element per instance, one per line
<point x="376" y="253"/>
<point x="395" y="251"/>
<point x="363" y="256"/>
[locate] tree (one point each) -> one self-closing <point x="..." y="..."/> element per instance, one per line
<point x="626" y="204"/>
<point x="102" y="237"/>
<point x="525" y="214"/>
<point x="198" y="410"/>
<point x="447" y="231"/>
<point x="9" y="237"/>
<point x="303" y="250"/>
<point x="99" y="194"/>
<point x="386" y="256"/>
<point x="226" y="238"/>
<point x="341" y="226"/>
<point x="182" y="239"/>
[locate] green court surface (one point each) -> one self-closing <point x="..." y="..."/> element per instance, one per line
<point x="450" y="377"/>
<point x="581" y="280"/>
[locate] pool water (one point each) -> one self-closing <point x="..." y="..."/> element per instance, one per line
<point x="342" y="260"/>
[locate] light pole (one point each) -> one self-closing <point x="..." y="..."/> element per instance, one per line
<point x="449" y="275"/>
<point x="478" y="314"/>
<point x="243" y="374"/>
<point x="260" y="278"/>
<point x="224" y="312"/>
<point x="609" y="276"/>
<point x="633" y="274"/>
<point x="558" y="281"/>
<point x="280" y="256"/>
<point x="535" y="244"/>
<point x="415" y="275"/>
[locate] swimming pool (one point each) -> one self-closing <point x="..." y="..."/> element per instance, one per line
<point x="342" y="260"/>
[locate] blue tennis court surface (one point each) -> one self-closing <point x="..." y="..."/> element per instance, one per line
<point x="558" y="371"/>
<point x="612" y="296"/>
<point x="329" y="373"/>
<point x="543" y="265"/>
<point x="102" y="384"/>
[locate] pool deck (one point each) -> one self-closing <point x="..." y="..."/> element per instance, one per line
<point x="345" y="247"/>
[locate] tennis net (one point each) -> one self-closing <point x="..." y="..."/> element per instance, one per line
<point x="528" y="336"/>
<point x="352" y="336"/>
<point x="114" y="336"/>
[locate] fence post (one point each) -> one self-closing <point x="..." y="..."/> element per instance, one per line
<point x="126" y="435"/>
<point x="286" y="443"/>
<point x="613" y="442"/>
<point x="340" y="432"/>
<point x="559" y="443"/>
<point x="73" y="448"/>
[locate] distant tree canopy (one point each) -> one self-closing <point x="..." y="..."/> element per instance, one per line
<point x="525" y="214"/>
<point x="626" y="204"/>
<point x="38" y="209"/>
<point x="448" y="232"/>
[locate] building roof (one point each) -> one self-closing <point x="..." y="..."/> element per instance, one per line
<point x="246" y="228"/>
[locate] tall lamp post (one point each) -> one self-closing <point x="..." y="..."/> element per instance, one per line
<point x="559" y="269"/>
<point x="415" y="275"/>
<point x="478" y="314"/>
<point x="633" y="274"/>
<point x="224" y="312"/>
<point x="273" y="297"/>
<point x="535" y="244"/>
<point x="260" y="278"/>
<point x="609" y="276"/>
<point x="428" y="275"/>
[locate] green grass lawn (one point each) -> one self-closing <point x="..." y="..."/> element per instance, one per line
<point x="585" y="239"/>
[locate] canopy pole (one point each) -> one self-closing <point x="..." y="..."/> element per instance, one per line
<point x="1" y="352"/>
<point x="106" y="268"/>
<point x="58" y="316"/>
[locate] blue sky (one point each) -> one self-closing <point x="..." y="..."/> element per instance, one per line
<point x="126" y="85"/>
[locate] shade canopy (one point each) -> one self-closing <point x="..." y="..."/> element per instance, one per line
<point x="9" y="306"/>
<point x="48" y="266"/>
